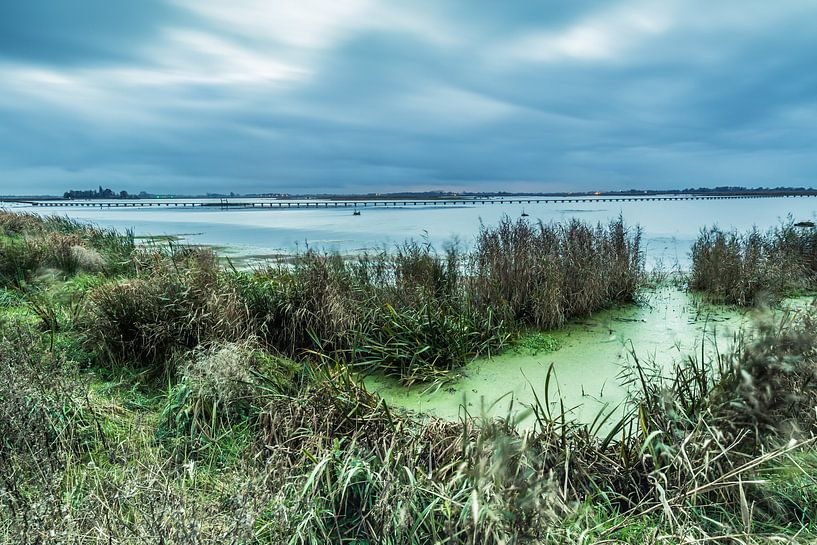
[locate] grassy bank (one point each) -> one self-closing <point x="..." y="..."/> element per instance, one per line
<point x="158" y="397"/>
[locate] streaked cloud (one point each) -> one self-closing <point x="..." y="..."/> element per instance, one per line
<point x="360" y="95"/>
<point x="605" y="36"/>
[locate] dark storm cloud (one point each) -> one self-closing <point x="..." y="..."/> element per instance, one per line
<point x="363" y="95"/>
<point x="79" y="31"/>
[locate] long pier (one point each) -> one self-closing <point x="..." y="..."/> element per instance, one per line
<point x="225" y="204"/>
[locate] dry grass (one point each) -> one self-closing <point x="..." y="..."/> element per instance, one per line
<point x="143" y="321"/>
<point x="30" y="243"/>
<point x="542" y="275"/>
<point x="754" y="267"/>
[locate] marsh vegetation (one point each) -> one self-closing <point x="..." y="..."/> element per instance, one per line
<point x="756" y="267"/>
<point x="150" y="393"/>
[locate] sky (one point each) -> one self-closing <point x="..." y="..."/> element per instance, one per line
<point x="357" y="96"/>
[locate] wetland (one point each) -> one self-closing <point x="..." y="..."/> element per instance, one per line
<point x="537" y="382"/>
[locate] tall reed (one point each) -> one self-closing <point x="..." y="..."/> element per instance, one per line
<point x="746" y="268"/>
<point x="416" y="313"/>
<point x="412" y="312"/>
<point x="141" y="322"/>
<point x="544" y="274"/>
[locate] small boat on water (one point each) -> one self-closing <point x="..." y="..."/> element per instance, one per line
<point x="356" y="213"/>
<point x="525" y="214"/>
<point x="806" y="224"/>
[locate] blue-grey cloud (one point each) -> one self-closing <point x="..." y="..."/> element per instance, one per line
<point x="373" y="95"/>
<point x="80" y="31"/>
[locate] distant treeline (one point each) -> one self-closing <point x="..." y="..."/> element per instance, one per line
<point x="102" y="193"/>
<point x="720" y="190"/>
<point x="105" y="193"/>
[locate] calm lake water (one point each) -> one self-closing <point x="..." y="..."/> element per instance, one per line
<point x="669" y="227"/>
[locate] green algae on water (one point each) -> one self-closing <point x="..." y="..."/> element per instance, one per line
<point x="590" y="361"/>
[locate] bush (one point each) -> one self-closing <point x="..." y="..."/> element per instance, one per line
<point x="19" y="260"/>
<point x="141" y="322"/>
<point x="222" y="386"/>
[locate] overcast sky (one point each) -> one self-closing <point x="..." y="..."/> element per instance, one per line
<point x="190" y="96"/>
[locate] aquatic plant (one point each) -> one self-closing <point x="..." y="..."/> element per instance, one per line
<point x="534" y="342"/>
<point x="754" y="267"/>
<point x="544" y="274"/>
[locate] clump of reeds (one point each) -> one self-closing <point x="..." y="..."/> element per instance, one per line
<point x="747" y="268"/>
<point x="69" y="253"/>
<point x="310" y="304"/>
<point x="221" y="387"/>
<point x="17" y="223"/>
<point x="19" y="261"/>
<point x="768" y="387"/>
<point x="381" y="476"/>
<point x="698" y="460"/>
<point x="544" y="274"/>
<point x="420" y="320"/>
<point x="416" y="313"/>
<point x="141" y="322"/>
<point x="412" y="312"/>
<point x="420" y="344"/>
<point x="711" y="428"/>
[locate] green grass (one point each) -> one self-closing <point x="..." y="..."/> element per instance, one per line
<point x="10" y="298"/>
